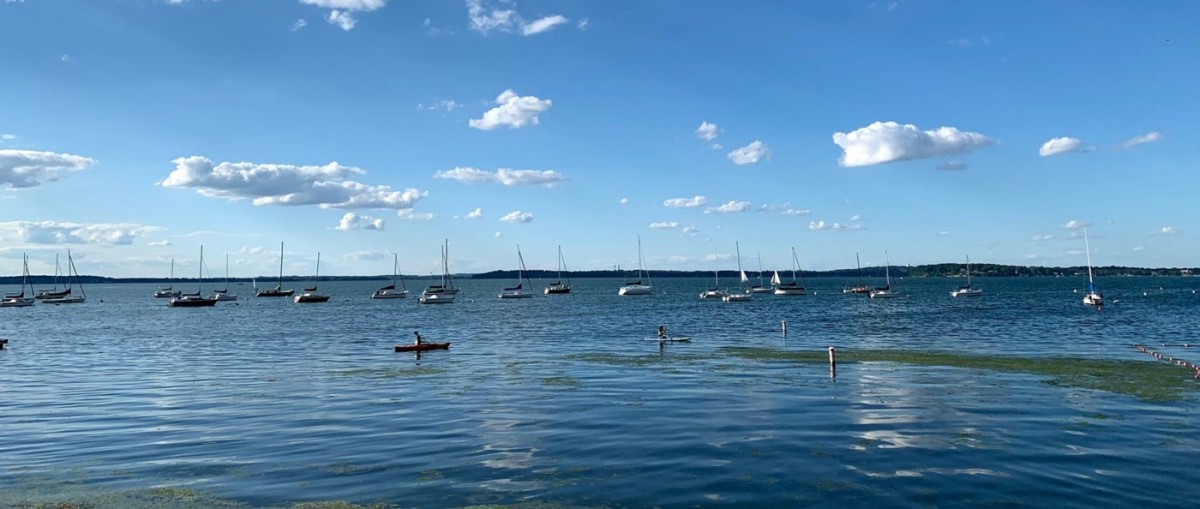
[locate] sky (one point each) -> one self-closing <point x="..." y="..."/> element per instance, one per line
<point x="133" y="132"/>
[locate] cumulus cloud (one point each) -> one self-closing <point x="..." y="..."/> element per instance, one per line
<point x="503" y="176"/>
<point x="1061" y="145"/>
<point x="517" y="216"/>
<point x="409" y="215"/>
<point x="446" y="105"/>
<point x="783" y="210"/>
<point x="1168" y="230"/>
<point x="822" y="225"/>
<point x="885" y="142"/>
<point x="1076" y="224"/>
<point x="665" y="225"/>
<point x="340" y="11"/>
<point x="686" y="203"/>
<point x="51" y="232"/>
<point x="475" y="214"/>
<point x="1149" y="137"/>
<point x="512" y="111"/>
<point x="690" y="230"/>
<point x="325" y="186"/>
<point x="30" y="168"/>
<point x="728" y="207"/>
<point x="749" y="154"/>
<point x="706" y="131"/>
<point x="7" y="137"/>
<point x="952" y="166"/>
<point x="352" y="221"/>
<point x="623" y="201"/>
<point x="159" y="243"/>
<point x="499" y="234"/>
<point x="486" y="17"/>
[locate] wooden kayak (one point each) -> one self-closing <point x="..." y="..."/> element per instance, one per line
<point x="422" y="347"/>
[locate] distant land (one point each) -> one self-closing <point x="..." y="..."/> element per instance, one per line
<point x="935" y="270"/>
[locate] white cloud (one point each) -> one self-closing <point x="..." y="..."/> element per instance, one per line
<point x="7" y="137"/>
<point x="341" y="19"/>
<point x="728" y="207"/>
<point x="503" y="176"/>
<point x="352" y="221"/>
<point x="856" y="218"/>
<point x="783" y="210"/>
<point x="365" y="256"/>
<point x="1149" y="137"/>
<point x="943" y="233"/>
<point x="475" y="214"/>
<point x="64" y="58"/>
<point x="485" y="18"/>
<point x="885" y="142"/>
<point x="706" y="131"/>
<point x="1168" y="230"/>
<point x="665" y="225"/>
<point x="300" y="23"/>
<point x="1031" y="256"/>
<point x="1076" y="224"/>
<point x="444" y="105"/>
<point x="29" y="168"/>
<point x="538" y="26"/>
<point x="822" y="225"/>
<point x="1139" y="248"/>
<point x="159" y="243"/>
<point x="583" y="24"/>
<point x="409" y="215"/>
<point x="284" y="184"/>
<point x="749" y="154"/>
<point x="952" y="166"/>
<point x="512" y="111"/>
<point x="1040" y="238"/>
<point x="686" y="203"/>
<point x="690" y="230"/>
<point x="499" y="234"/>
<point x="517" y="216"/>
<point x="1061" y="145"/>
<point x="51" y="232"/>
<point x="623" y="201"/>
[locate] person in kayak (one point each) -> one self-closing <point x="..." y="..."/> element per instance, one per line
<point x="418" y="335"/>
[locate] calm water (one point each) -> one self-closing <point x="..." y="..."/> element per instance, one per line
<point x="561" y="400"/>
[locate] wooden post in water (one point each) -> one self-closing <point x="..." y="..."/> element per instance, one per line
<point x="784" y="325"/>
<point x="832" y="365"/>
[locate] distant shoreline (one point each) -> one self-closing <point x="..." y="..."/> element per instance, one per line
<point x="937" y="270"/>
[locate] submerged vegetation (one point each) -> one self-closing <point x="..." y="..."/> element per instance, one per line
<point x="1148" y="381"/>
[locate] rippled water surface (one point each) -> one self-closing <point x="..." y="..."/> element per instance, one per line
<point x="563" y="400"/>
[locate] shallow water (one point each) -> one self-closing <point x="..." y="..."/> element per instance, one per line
<point x="562" y="400"/>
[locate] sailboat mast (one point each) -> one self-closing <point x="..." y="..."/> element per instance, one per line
<point x="1088" y="250"/>
<point x="968" y="271"/>
<point x="280" y="265"/>
<point x="887" y="268"/>
<point x="858" y="262"/>
<point x="760" y="279"/>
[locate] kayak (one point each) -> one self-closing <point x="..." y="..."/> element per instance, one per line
<point x="672" y="339"/>
<point x="422" y="347"/>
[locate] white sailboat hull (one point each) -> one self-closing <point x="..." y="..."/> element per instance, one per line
<point x="224" y="297"/>
<point x="17" y="302"/>
<point x="516" y="294"/>
<point x="390" y="294"/>
<point x="966" y="292"/>
<point x="635" y="290"/>
<point x="712" y="294"/>
<point x="1093" y="299"/>
<point x="437" y="298"/>
<point x="737" y="297"/>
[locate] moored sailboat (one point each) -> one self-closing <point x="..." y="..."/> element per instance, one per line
<point x="310" y="294"/>
<point x="169" y="291"/>
<point x="390" y="291"/>
<point x="636" y="287"/>
<point x="72" y="282"/>
<point x="743" y="294"/>
<point x="886" y="292"/>
<point x="715" y="292"/>
<point x="558" y="287"/>
<point x="860" y="287"/>
<point x="19" y="300"/>
<point x="194" y="300"/>
<point x="520" y="291"/>
<point x="54" y="293"/>
<point x="790" y="287"/>
<point x="966" y="290"/>
<point x="223" y="295"/>
<point x="445" y="292"/>
<point x="1093" y="297"/>
<point x="278" y="291"/>
<point x="760" y="287"/>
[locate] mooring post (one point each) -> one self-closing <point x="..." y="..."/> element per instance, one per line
<point x="832" y="365"/>
<point x="784" y="326"/>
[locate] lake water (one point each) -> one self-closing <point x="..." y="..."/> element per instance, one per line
<point x="561" y="400"/>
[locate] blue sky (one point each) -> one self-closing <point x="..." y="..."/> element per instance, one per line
<point x="134" y="131"/>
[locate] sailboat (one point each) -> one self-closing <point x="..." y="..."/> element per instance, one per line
<point x="224" y="295"/>
<point x="194" y="300"/>
<point x="760" y="287"/>
<point x="72" y="281"/>
<point x="966" y="290"/>
<point x="745" y="294"/>
<point x="445" y="292"/>
<point x="390" y="291"/>
<point x="278" y="291"/>
<point x="310" y="293"/>
<point x="19" y="300"/>
<point x="886" y="292"/>
<point x="715" y="292"/>
<point x="789" y="288"/>
<point x="636" y="287"/>
<point x="55" y="293"/>
<point x="520" y="291"/>
<point x="1093" y="297"/>
<point x="168" y="291"/>
<point x="558" y="287"/>
<point x="860" y="287"/>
